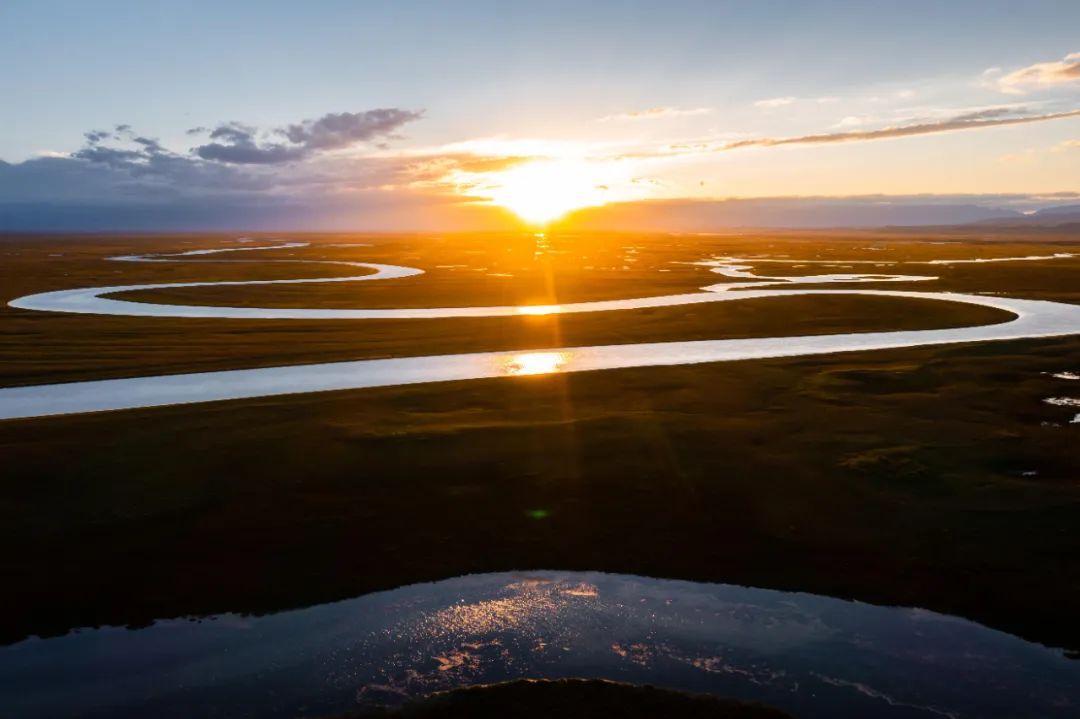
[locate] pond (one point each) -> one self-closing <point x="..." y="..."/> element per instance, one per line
<point x="810" y="655"/>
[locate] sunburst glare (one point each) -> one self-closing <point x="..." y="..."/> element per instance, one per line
<point x="540" y="192"/>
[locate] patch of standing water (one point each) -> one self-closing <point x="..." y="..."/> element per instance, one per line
<point x="1065" y="402"/>
<point x="811" y="655"/>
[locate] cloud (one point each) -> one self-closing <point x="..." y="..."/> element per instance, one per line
<point x="442" y="167"/>
<point x="1039" y="75"/>
<point x="233" y="132"/>
<point x="96" y="136"/>
<point x="237" y="144"/>
<point x="988" y="113"/>
<point x="120" y="166"/>
<point x="774" y="102"/>
<point x="976" y="120"/>
<point x="341" y="129"/>
<point x="238" y="175"/>
<point x="930" y="122"/>
<point x="238" y="179"/>
<point x="109" y="156"/>
<point x="655" y="113"/>
<point x="853" y="121"/>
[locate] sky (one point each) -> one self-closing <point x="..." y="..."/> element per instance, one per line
<point x="475" y="115"/>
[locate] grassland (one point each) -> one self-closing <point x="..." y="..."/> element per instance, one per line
<point x="933" y="477"/>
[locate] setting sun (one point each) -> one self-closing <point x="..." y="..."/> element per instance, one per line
<point x="540" y="192"/>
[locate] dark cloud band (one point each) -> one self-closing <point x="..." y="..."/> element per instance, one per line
<point x="237" y="144"/>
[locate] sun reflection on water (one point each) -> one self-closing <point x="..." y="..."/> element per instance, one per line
<point x="538" y="309"/>
<point x="534" y="363"/>
<point x="527" y="604"/>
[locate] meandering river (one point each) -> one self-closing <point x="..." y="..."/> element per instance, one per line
<point x="1031" y="319"/>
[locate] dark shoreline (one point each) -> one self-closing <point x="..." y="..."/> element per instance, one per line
<point x="571" y="699"/>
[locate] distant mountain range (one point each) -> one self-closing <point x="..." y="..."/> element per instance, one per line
<point x="957" y="212"/>
<point x="1049" y="217"/>
<point x="806" y="213"/>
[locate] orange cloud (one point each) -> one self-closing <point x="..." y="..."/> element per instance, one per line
<point x="969" y="121"/>
<point x="1042" y="74"/>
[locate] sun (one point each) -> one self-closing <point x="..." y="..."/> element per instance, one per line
<point x="543" y="191"/>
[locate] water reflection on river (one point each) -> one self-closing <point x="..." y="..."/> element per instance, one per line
<point x="813" y="656"/>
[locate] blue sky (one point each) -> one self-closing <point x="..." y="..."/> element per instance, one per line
<point x="573" y="79"/>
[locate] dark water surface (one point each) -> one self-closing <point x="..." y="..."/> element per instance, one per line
<point x="812" y="656"/>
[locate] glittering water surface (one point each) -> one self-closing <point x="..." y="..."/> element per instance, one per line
<point x="813" y="656"/>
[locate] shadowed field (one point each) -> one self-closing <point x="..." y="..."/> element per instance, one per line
<point x="932" y="477"/>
